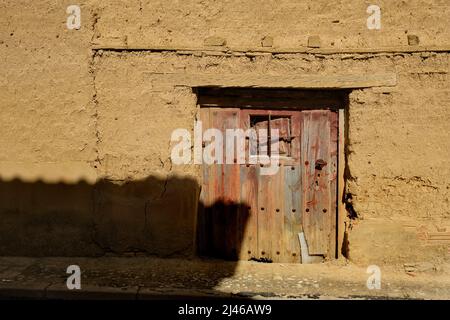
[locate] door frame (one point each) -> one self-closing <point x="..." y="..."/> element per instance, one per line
<point x="342" y="114"/>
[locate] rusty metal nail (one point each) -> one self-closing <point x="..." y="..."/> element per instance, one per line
<point x="277" y="210"/>
<point x="307" y="210"/>
<point x="306" y="163"/>
<point x="294" y="254"/>
<point x="278" y="252"/>
<point x="249" y="251"/>
<point x="324" y="210"/>
<point x="263" y="253"/>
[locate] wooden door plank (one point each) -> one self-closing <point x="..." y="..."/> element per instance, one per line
<point x="292" y="212"/>
<point x="217" y="220"/>
<point x="316" y="215"/>
<point x="227" y="188"/>
<point x="293" y="193"/>
<point x="265" y="215"/>
<point x="281" y="230"/>
<point x="231" y="183"/>
<point x="276" y="208"/>
<point x="249" y="200"/>
<point x="248" y="224"/>
<point x="205" y="195"/>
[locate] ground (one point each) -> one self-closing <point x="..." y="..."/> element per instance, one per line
<point x="155" y="278"/>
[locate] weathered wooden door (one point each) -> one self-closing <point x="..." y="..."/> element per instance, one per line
<point x="247" y="214"/>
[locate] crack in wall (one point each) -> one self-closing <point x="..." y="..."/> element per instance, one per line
<point x="95" y="17"/>
<point x="164" y="188"/>
<point x="95" y="102"/>
<point x="415" y="180"/>
<point x="93" y="72"/>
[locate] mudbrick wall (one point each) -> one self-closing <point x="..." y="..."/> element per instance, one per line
<point x="86" y="118"/>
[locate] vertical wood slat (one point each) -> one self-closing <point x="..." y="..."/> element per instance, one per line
<point x="271" y="242"/>
<point x="249" y="200"/>
<point x="217" y="225"/>
<point x="264" y="199"/>
<point x="265" y="215"/>
<point x="292" y="212"/>
<point x="216" y="219"/>
<point x="316" y="184"/>
<point x="205" y="194"/>
<point x="278" y="233"/>
<point x="293" y="193"/>
<point x="248" y="223"/>
<point x="231" y="183"/>
<point x="228" y="188"/>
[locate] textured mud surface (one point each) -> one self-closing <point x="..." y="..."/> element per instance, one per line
<point x="85" y="167"/>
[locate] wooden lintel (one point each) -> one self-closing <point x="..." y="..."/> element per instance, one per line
<point x="314" y="81"/>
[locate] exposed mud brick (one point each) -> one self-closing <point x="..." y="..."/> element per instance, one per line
<point x="413" y="40"/>
<point x="314" y="42"/>
<point x="267" y="41"/>
<point x="215" y="42"/>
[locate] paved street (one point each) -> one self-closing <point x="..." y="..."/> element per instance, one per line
<point x="154" y="278"/>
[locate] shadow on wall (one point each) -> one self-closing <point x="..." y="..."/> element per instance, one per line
<point x="152" y="216"/>
<point x="221" y="228"/>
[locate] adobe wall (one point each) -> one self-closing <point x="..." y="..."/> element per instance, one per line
<point x="85" y="164"/>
